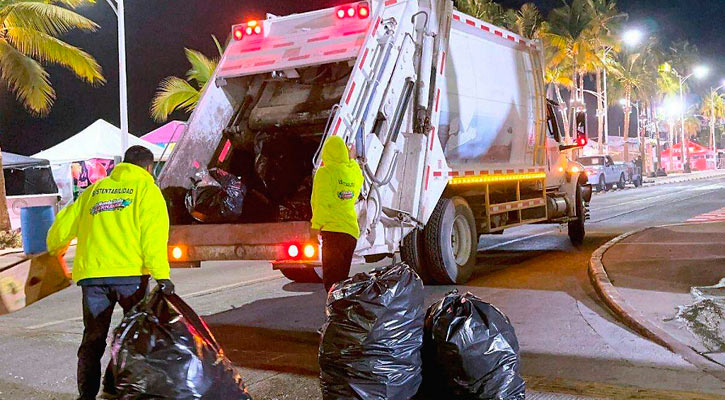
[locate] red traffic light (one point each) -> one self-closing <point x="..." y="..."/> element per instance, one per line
<point x="581" y="141"/>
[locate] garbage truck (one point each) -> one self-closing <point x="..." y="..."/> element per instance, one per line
<point x="448" y="115"/>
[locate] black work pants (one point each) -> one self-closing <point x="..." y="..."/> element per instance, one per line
<point x="98" y="304"/>
<point x="337" y="250"/>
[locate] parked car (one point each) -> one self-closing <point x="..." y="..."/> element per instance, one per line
<point x="603" y="173"/>
<point x="632" y="173"/>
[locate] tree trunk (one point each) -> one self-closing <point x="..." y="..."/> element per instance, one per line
<point x="672" y="146"/>
<point x="627" y="112"/>
<point x="600" y="112"/>
<point x="4" y="216"/>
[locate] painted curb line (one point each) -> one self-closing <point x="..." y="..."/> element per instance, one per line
<point x="633" y="319"/>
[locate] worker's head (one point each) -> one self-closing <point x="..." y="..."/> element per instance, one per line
<point x="139" y="156"/>
<point x="335" y="151"/>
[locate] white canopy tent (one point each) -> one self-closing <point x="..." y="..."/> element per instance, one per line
<point x="99" y="140"/>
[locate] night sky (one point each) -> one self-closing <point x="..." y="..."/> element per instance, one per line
<point x="158" y="31"/>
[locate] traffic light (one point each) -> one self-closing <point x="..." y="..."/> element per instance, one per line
<point x="581" y="140"/>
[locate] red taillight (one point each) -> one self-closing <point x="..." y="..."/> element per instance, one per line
<point x="248" y="29"/>
<point x="363" y="11"/>
<point x="293" y="251"/>
<point x="238" y="33"/>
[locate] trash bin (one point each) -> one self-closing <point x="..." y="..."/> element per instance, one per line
<point x="34" y="225"/>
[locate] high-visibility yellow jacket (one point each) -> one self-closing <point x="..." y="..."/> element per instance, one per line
<point x="121" y="224"/>
<point x="335" y="188"/>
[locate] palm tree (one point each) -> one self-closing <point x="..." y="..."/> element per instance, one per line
<point x="29" y="39"/>
<point x="487" y="10"/>
<point x="605" y="21"/>
<point x="632" y="80"/>
<point x="175" y="93"/>
<point x="713" y="107"/>
<point x="528" y="21"/>
<point x="570" y="34"/>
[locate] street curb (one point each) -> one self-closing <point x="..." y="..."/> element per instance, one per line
<point x="633" y="319"/>
<point x="688" y="179"/>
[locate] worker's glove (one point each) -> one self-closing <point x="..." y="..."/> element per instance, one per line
<point x="166" y="286"/>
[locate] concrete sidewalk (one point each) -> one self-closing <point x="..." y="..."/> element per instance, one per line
<point x="648" y="275"/>
<point x="682" y="177"/>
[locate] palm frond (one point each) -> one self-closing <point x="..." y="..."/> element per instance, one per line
<point x="173" y="94"/>
<point x="46" y="48"/>
<point x="46" y="18"/>
<point x="202" y="67"/>
<point x="27" y="79"/>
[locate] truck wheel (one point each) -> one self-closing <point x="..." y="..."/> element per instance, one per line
<point x="451" y="241"/>
<point x="303" y="275"/>
<point x="602" y="187"/>
<point x="576" y="227"/>
<point x="411" y="252"/>
<point x="621" y="183"/>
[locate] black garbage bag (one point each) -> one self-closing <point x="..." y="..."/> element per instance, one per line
<point x="297" y="207"/>
<point x="281" y="163"/>
<point x="216" y="197"/>
<point x="163" y="350"/>
<point x="371" y="341"/>
<point x="470" y="351"/>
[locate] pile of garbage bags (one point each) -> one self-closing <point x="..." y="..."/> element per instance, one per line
<point x="216" y="197"/>
<point x="470" y="350"/>
<point x="371" y="342"/>
<point x="163" y="350"/>
<point x="377" y="343"/>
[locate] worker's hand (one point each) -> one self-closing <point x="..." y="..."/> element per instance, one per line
<point x="352" y="151"/>
<point x="166" y="286"/>
<point x="315" y="234"/>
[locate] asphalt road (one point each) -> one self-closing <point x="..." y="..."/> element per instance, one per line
<point x="571" y="346"/>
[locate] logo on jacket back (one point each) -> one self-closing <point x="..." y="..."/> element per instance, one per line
<point x="345" y="194"/>
<point x="110" y="205"/>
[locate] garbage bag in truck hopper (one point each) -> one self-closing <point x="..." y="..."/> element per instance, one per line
<point x="216" y="196"/>
<point x="281" y="163"/>
<point x="371" y="341"/>
<point x="470" y="351"/>
<point x="163" y="350"/>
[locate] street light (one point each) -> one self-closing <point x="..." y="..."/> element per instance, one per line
<point x="632" y="37"/>
<point x="122" y="85"/>
<point x="713" y="145"/>
<point x="699" y="72"/>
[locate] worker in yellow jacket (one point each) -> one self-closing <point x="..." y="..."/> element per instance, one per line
<point x="122" y="228"/>
<point x="335" y="189"/>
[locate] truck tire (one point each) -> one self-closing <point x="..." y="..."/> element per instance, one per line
<point x="303" y="275"/>
<point x="602" y="186"/>
<point x="451" y="242"/>
<point x="621" y="183"/>
<point x="411" y="252"/>
<point x="576" y="227"/>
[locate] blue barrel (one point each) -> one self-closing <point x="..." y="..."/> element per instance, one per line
<point x="35" y="223"/>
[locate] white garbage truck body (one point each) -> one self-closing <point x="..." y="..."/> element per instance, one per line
<point x="448" y="114"/>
